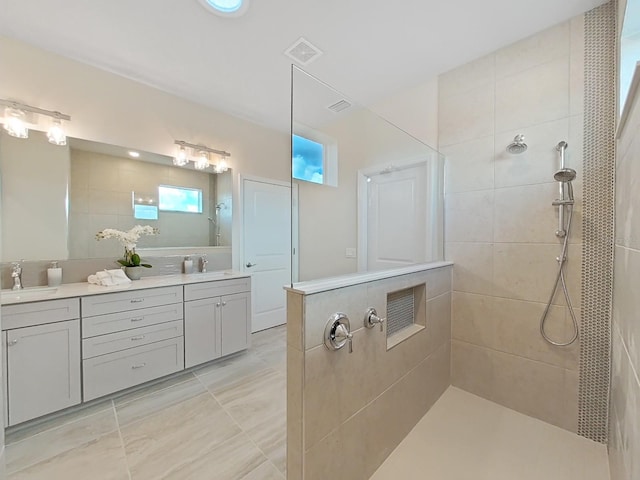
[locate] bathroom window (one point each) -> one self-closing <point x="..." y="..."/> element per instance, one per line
<point x="315" y="156"/>
<point x="179" y="199"/>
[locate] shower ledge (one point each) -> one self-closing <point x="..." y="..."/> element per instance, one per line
<point x="332" y="283"/>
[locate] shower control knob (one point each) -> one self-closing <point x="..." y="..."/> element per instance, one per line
<point x="338" y="332"/>
<point x="371" y="318"/>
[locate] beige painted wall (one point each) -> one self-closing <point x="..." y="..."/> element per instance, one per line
<point x="35" y="178"/>
<point x="624" y="406"/>
<point x="346" y="412"/>
<point x="500" y="224"/>
<point x="112" y="109"/>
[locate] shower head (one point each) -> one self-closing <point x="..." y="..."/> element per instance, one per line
<point x="565" y="175"/>
<point x="517" y="146"/>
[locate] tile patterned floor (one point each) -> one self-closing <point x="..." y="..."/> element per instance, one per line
<point x="224" y="421"/>
<point x="465" y="437"/>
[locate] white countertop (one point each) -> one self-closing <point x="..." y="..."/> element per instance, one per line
<point x="71" y="290"/>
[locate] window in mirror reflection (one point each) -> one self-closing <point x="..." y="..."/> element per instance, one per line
<point x="145" y="212"/>
<point x="308" y="160"/>
<point x="180" y="199"/>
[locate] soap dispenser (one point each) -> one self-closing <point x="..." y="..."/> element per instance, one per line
<point x="54" y="275"/>
<point x="188" y="265"/>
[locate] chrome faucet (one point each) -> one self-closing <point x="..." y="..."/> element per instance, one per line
<point x="16" y="274"/>
<point x="203" y="263"/>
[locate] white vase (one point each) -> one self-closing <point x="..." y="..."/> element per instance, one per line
<point x="133" y="273"/>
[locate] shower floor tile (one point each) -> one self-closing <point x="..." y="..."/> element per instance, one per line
<point x="467" y="437"/>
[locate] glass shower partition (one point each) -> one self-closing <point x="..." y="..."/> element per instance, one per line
<point x="367" y="195"/>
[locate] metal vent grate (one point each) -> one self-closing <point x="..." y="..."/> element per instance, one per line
<point x="303" y="51"/>
<point x="400" y="310"/>
<point x="339" y="106"/>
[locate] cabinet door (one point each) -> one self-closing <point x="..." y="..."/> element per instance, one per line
<point x="201" y="331"/>
<point x="43" y="369"/>
<point x="235" y="322"/>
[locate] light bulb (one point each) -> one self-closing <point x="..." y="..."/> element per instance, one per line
<point x="181" y="159"/>
<point x="203" y="161"/>
<point x="56" y="133"/>
<point x="14" y="123"/>
<point x="222" y="165"/>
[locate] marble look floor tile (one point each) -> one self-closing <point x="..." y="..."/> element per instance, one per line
<point x="16" y="434"/>
<point x="276" y="358"/>
<point x="268" y="338"/>
<point x="259" y="396"/>
<point x="143" y="406"/>
<point x="152" y="387"/>
<point x="233" y="459"/>
<point x="53" y="442"/>
<point x="270" y="436"/>
<point x="102" y="459"/>
<point x="177" y="438"/>
<point x="266" y="471"/>
<point x="230" y="371"/>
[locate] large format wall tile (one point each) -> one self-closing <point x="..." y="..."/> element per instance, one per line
<point x="539" y="94"/>
<point x="466" y="116"/>
<point x="462" y="79"/>
<point x="473" y="266"/>
<point x="469" y="216"/>
<point x="469" y="165"/>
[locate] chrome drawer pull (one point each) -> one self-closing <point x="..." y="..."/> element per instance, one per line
<point x="137" y="300"/>
<point x="12" y="342"/>
<point x="139" y="319"/>
<point x="141" y="365"/>
<point x="139" y="337"/>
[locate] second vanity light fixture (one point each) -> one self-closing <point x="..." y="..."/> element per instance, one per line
<point x="16" y="125"/>
<point x="200" y="157"/>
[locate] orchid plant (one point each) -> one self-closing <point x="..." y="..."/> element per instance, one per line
<point x="129" y="239"/>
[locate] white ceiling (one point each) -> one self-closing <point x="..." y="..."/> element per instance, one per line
<point x="237" y="65"/>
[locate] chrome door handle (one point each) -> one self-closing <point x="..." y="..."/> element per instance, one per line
<point x="249" y="264"/>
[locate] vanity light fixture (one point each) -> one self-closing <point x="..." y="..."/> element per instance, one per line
<point x="201" y="153"/>
<point x="226" y="8"/>
<point x="16" y="125"/>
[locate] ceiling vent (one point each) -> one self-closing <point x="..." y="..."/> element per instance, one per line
<point x="339" y="106"/>
<point x="303" y="51"/>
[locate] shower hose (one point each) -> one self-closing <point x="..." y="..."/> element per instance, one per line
<point x="561" y="280"/>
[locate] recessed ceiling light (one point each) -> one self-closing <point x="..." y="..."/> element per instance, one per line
<point x="226" y="8"/>
<point x="134" y="154"/>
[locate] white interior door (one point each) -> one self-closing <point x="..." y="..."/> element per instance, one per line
<point x="267" y="249"/>
<point x="396" y="217"/>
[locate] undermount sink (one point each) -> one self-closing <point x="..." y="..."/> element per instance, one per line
<point x="27" y="293"/>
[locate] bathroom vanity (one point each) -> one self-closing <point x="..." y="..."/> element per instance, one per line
<point x="80" y="342"/>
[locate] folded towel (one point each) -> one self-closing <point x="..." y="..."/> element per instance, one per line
<point x="109" y="278"/>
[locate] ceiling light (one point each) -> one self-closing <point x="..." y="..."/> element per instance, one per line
<point x="56" y="134"/>
<point x="180" y="160"/>
<point x="226" y="8"/>
<point x="134" y="154"/>
<point x="16" y="125"/>
<point x="202" y="161"/>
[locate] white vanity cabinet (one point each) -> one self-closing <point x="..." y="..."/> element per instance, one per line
<point x="130" y="338"/>
<point x="43" y="359"/>
<point x="217" y="318"/>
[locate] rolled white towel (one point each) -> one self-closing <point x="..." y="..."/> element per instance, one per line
<point x="109" y="278"/>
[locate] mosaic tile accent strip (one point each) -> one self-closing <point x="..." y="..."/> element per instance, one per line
<point x="598" y="221"/>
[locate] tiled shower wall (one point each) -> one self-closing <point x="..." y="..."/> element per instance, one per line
<point x="624" y="420"/>
<point x="346" y="412"/>
<point x="500" y="224"/>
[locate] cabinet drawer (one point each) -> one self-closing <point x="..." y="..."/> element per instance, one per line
<point x="115" y="342"/>
<point x="116" y="371"/>
<point x="197" y="291"/>
<point x="39" y="313"/>
<point x="117" y="322"/>
<point x="125" y="301"/>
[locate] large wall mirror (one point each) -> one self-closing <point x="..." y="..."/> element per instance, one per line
<point x="56" y="198"/>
